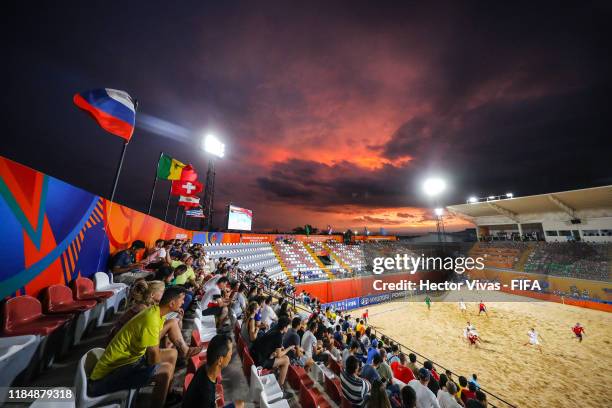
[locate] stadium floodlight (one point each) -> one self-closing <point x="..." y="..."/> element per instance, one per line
<point x="214" y="146"/>
<point x="472" y="200"/>
<point x="509" y="195"/>
<point x="434" y="186"/>
<point x="439" y="211"/>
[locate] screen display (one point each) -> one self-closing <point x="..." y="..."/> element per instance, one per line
<point x="239" y="218"/>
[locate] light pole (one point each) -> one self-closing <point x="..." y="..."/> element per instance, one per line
<point x="214" y="147"/>
<point x="434" y="187"/>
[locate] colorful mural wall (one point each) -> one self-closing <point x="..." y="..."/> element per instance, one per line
<point x="51" y="232"/>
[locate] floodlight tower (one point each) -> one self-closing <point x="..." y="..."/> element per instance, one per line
<point x="434" y="187"/>
<point x="216" y="149"/>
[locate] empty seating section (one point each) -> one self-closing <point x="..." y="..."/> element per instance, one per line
<point x="251" y="256"/>
<point x="575" y="259"/>
<point x="296" y="258"/>
<point x="351" y="255"/>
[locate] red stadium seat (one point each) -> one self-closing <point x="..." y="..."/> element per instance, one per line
<point x="83" y="289"/>
<point x="57" y="299"/>
<point x="297" y="375"/>
<point x="312" y="398"/>
<point x="23" y="315"/>
<point x="247" y="362"/>
<point x="332" y="388"/>
<point x="334" y="366"/>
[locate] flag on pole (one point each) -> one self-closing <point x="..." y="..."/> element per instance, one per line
<point x="187" y="201"/>
<point x="114" y="110"/>
<point x="169" y="168"/>
<point x="186" y="188"/>
<point x="189" y="173"/>
<point x="197" y="213"/>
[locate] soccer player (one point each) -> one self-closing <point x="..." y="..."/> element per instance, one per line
<point x="533" y="339"/>
<point x="482" y="308"/>
<point x="472" y="336"/>
<point x="428" y="302"/>
<point x="462" y="307"/>
<point x="578" y="331"/>
<point x="467" y="330"/>
<point x="365" y="316"/>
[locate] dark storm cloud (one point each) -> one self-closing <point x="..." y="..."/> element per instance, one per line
<point x="337" y="107"/>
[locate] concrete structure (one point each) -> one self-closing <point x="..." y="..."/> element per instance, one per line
<point x="581" y="215"/>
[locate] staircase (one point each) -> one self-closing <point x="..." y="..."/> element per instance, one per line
<point x="282" y="264"/>
<point x="337" y="259"/>
<point x="520" y="265"/>
<point x="318" y="261"/>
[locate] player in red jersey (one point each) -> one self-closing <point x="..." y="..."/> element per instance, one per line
<point x="482" y="308"/>
<point x="578" y="331"/>
<point x="365" y="316"/>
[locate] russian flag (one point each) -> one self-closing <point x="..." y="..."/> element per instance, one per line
<point x="114" y="110"/>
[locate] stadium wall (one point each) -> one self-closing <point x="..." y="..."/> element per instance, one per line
<point x="551" y="284"/>
<point x="51" y="232"/>
<point x="341" y="289"/>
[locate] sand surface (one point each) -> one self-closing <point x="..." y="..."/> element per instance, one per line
<point x="567" y="374"/>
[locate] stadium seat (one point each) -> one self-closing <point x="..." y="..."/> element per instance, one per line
<point x="263" y="402"/>
<point x="312" y="398"/>
<point x="334" y="366"/>
<point x="297" y="375"/>
<point x="265" y="384"/>
<point x="86" y="366"/>
<point x="15" y="355"/>
<point x="332" y="388"/>
<point x="344" y="403"/>
<point x="83" y="289"/>
<point x="23" y="315"/>
<point x="120" y="289"/>
<point x="57" y="299"/>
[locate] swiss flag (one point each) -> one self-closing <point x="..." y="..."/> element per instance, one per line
<point x="186" y="188"/>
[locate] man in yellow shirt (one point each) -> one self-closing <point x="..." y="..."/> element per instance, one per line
<point x="133" y="358"/>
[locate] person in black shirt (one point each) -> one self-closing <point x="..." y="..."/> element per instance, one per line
<point x="268" y="351"/>
<point x="202" y="389"/>
<point x="479" y="402"/>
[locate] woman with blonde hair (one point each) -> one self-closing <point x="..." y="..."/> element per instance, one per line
<point x="250" y="326"/>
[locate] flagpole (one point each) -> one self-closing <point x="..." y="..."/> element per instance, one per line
<point x="154" y="184"/>
<point x="168" y="202"/>
<point x="118" y="173"/>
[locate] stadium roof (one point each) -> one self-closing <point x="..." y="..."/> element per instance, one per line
<point x="566" y="201"/>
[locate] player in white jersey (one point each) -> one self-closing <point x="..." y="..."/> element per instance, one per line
<point x="534" y="339"/>
<point x="462" y="307"/>
<point x="467" y="330"/>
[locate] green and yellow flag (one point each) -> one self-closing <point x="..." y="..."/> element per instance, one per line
<point x="169" y="168"/>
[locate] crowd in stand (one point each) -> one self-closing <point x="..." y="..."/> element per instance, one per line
<point x="282" y="334"/>
<point x="575" y="260"/>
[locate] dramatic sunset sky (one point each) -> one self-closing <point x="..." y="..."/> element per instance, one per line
<point x="332" y="112"/>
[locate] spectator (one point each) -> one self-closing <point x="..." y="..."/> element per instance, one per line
<point x="408" y="397"/>
<point x="446" y="396"/>
<point x="462" y="386"/>
<point x="202" y="389"/>
<point x="330" y="349"/>
<point x="354" y="388"/>
<point x="351" y="350"/>
<point x="469" y="393"/>
<point x="412" y="364"/>
<point x="221" y="311"/>
<point x="379" y="397"/>
<point x="480" y="401"/>
<point x="292" y="338"/>
<point x="268" y="317"/>
<point x="474" y="380"/>
<point x="268" y="351"/>
<point x="395" y="354"/>
<point x="383" y="368"/>
<point x="424" y="397"/>
<point x="370" y="371"/>
<point x="250" y="326"/>
<point x="124" y="267"/>
<point x="434" y="377"/>
<point x="401" y="371"/>
<point x="133" y="358"/>
<point x="311" y="348"/>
